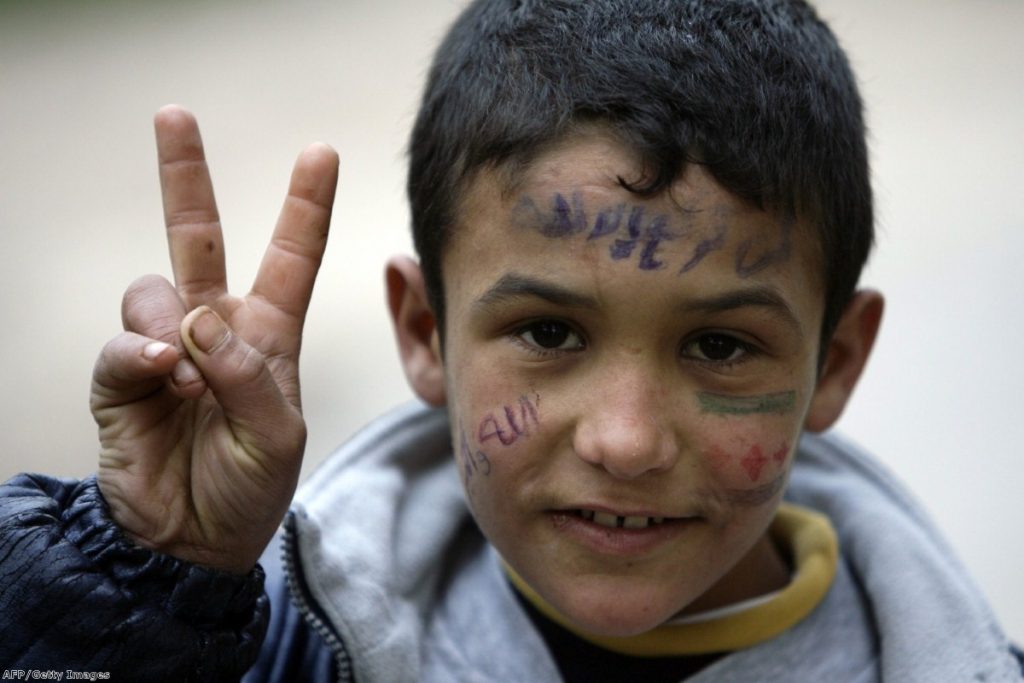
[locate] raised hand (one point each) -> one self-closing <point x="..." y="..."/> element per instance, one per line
<point x="197" y="401"/>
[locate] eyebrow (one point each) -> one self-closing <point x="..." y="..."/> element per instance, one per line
<point x="513" y="286"/>
<point x="763" y="297"/>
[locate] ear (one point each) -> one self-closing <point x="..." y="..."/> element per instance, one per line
<point x="415" y="330"/>
<point x="845" y="358"/>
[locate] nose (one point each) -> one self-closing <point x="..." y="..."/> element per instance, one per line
<point x="624" y="428"/>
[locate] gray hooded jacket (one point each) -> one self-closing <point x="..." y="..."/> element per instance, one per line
<point x="384" y="560"/>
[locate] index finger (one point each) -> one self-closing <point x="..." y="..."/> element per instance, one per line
<point x="190" y="211"/>
<point x="290" y="264"/>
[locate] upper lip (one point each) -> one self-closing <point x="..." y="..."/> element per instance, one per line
<point x="624" y="510"/>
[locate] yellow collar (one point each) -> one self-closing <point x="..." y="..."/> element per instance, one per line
<point x="802" y="534"/>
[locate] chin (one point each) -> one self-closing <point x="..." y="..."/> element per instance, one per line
<point x="617" y="611"/>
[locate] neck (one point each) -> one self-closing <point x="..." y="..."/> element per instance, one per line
<point x="761" y="571"/>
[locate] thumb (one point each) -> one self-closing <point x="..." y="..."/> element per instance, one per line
<point x="241" y="381"/>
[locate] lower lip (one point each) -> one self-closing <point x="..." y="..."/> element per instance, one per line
<point x="617" y="541"/>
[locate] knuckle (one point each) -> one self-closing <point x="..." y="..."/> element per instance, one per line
<point x="114" y="352"/>
<point x="163" y="326"/>
<point x="251" y="364"/>
<point x="113" y="367"/>
<point x="142" y="288"/>
<point x="148" y="307"/>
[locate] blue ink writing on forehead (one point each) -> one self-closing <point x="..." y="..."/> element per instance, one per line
<point x="622" y="249"/>
<point x="651" y="235"/>
<point x="635" y="233"/>
<point x="568" y="216"/>
<point x="775" y="255"/>
<point x="607" y="222"/>
<point x="656" y="232"/>
<point x="472" y="462"/>
<point x="705" y="247"/>
<point x="516" y="424"/>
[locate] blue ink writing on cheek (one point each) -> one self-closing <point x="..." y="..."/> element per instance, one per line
<point x="473" y="462"/>
<point x="514" y="426"/>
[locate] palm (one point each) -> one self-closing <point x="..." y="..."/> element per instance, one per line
<point x="201" y="447"/>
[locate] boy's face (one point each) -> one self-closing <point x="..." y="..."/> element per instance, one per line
<point x="627" y="378"/>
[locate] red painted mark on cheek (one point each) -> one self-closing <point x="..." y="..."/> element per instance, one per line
<point x="753" y="462"/>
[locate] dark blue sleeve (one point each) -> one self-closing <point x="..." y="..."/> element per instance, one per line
<point x="75" y="593"/>
<point x="292" y="650"/>
<point x="1019" y="656"/>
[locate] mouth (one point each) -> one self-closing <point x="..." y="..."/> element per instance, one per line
<point x="610" y="532"/>
<point x="613" y="521"/>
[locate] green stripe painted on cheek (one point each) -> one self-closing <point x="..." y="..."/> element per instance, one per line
<point x="723" y="404"/>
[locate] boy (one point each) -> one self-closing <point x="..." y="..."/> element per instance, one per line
<point x="640" y="228"/>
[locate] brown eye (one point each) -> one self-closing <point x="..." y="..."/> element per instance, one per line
<point x="550" y="335"/>
<point x="716" y="348"/>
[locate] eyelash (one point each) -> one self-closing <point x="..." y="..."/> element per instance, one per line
<point x="748" y="350"/>
<point x="535" y="349"/>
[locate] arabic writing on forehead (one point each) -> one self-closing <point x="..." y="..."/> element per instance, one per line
<point x="634" y="229"/>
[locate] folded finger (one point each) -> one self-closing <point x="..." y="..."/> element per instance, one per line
<point x="129" y="367"/>
<point x="152" y="307"/>
<point x="190" y="211"/>
<point x="290" y="264"/>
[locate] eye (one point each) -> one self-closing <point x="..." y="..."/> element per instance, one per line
<point x="717" y="348"/>
<point x="549" y="336"/>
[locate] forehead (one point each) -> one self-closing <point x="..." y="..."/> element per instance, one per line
<point x="568" y="212"/>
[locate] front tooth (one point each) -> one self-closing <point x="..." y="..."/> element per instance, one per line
<point x="634" y="522"/>
<point x="605" y="519"/>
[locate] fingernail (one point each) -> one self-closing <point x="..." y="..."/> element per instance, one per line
<point x="154" y="349"/>
<point x="208" y="331"/>
<point x="185" y="373"/>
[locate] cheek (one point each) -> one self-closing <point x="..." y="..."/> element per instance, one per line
<point x="749" y="456"/>
<point x="504" y="426"/>
<point x="492" y="438"/>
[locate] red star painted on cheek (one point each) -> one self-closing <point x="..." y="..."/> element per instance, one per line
<point x="753" y="462"/>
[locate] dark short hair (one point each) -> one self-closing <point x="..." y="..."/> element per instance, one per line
<point x="757" y="91"/>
